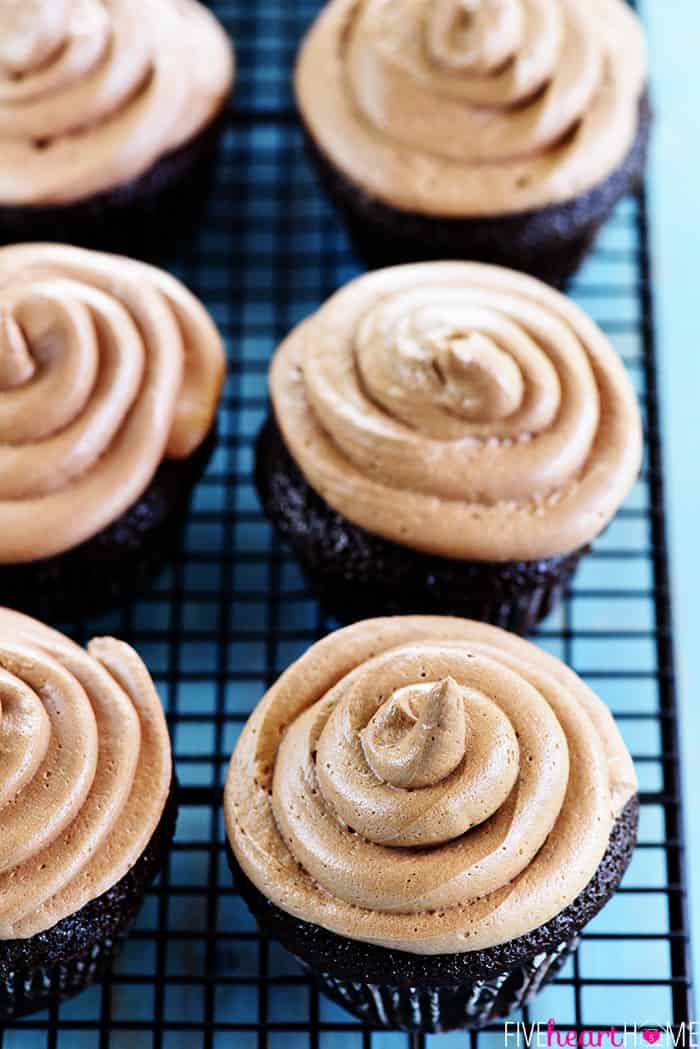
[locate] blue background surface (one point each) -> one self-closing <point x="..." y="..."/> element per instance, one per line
<point x="674" y="182"/>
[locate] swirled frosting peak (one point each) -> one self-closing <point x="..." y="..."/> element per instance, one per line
<point x="85" y="771"/>
<point x="94" y="92"/>
<point x="418" y="736"/>
<point x="459" y="409"/>
<point x="474" y="36"/>
<point x="428" y="784"/>
<point x="107" y="366"/>
<point x="464" y="107"/>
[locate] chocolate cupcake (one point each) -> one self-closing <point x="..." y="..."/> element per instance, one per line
<point x="448" y="438"/>
<point x="427" y="812"/>
<point x="109" y="119"/>
<point x="87" y="807"/>
<point x="110" y="377"/>
<point x="495" y="130"/>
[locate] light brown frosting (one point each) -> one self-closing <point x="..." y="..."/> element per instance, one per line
<point x="473" y="107"/>
<point x="94" y="92"/>
<point x="85" y="771"/>
<point x="460" y="409"/>
<point x="107" y="366"/>
<point x="428" y="784"/>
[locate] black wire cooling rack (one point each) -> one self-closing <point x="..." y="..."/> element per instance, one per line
<point x="232" y="613"/>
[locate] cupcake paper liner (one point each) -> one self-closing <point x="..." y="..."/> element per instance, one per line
<point x="549" y="243"/>
<point x="514" y="595"/>
<point x="26" y="992"/>
<point x="467" y="1005"/>
<point x="358" y="575"/>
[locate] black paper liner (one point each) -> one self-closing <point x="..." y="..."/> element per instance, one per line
<point x="119" y="562"/>
<point x="431" y="1010"/>
<point x="146" y="218"/>
<point x="358" y="575"/>
<point x="549" y="243"/>
<point x="67" y="958"/>
<point x="392" y="989"/>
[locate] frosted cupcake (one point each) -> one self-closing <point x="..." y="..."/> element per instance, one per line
<point x="446" y="438"/>
<point x="427" y="812"/>
<point x="110" y="377"/>
<point x="109" y="119"/>
<point x="87" y="808"/>
<point x="497" y="130"/>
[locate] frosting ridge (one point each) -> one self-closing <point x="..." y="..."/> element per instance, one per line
<point x="94" y="92"/>
<point x="462" y="860"/>
<point x="473" y="107"/>
<point x="460" y="409"/>
<point x="85" y="771"/>
<point x="107" y="366"/>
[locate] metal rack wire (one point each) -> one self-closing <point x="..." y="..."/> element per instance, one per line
<point x="224" y="621"/>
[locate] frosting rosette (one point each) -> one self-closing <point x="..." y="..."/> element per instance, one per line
<point x="462" y="410"/>
<point x="85" y="771"/>
<point x="107" y="366"/>
<point x="94" y="92"/>
<point x="473" y="107"/>
<point x="427" y="784"/>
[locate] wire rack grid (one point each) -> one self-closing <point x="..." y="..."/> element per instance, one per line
<point x="231" y="614"/>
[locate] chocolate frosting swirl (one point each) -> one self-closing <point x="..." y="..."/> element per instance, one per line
<point x="459" y="409"/>
<point x="106" y="367"/>
<point x="432" y="785"/>
<point x="462" y="107"/>
<point x="94" y="92"/>
<point x="85" y="771"/>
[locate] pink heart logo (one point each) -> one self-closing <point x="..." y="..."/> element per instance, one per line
<point x="651" y="1035"/>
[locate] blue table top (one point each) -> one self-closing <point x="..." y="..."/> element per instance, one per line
<point x="675" y="35"/>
